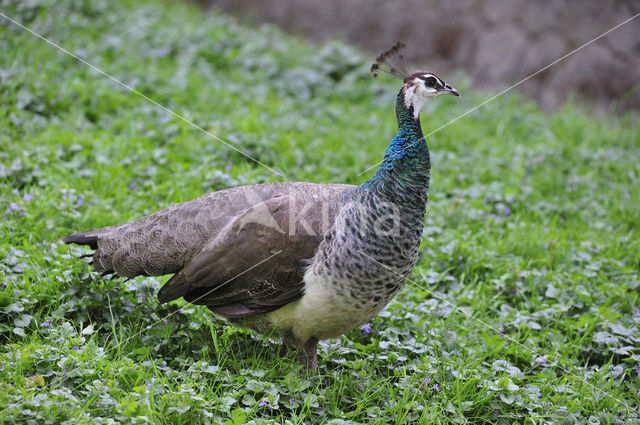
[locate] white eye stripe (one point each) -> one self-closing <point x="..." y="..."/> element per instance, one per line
<point x="438" y="80"/>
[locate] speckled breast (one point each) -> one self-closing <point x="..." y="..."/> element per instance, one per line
<point x="370" y="251"/>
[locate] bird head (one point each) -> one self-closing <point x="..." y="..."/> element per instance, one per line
<point x="418" y="86"/>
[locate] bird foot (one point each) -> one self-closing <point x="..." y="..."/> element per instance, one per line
<point x="308" y="354"/>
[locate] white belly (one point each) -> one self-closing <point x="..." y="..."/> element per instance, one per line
<point x="320" y="312"/>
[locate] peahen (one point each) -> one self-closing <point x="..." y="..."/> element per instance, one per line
<point x="310" y="261"/>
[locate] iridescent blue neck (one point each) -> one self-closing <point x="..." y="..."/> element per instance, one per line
<point x="406" y="162"/>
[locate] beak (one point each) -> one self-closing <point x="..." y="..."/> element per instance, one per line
<point x="450" y="90"/>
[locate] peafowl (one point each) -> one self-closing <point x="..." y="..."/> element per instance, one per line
<point x="308" y="261"/>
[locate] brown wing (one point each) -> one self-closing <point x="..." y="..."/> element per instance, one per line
<point x="240" y="251"/>
<point x="256" y="263"/>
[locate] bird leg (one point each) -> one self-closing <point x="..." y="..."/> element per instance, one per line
<point x="308" y="354"/>
<point x="283" y="349"/>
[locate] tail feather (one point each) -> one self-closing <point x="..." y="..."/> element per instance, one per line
<point x="82" y="239"/>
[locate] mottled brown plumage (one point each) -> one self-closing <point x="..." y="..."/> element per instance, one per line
<point x="233" y="250"/>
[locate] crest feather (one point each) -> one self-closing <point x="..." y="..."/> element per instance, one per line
<point x="391" y="62"/>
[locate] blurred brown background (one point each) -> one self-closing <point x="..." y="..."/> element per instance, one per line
<point x="495" y="42"/>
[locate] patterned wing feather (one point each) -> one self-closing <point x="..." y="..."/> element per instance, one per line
<point x="239" y="250"/>
<point x="256" y="263"/>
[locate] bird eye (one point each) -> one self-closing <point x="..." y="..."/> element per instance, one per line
<point x="430" y="82"/>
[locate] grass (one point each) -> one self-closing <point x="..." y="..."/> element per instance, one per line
<point x="525" y="305"/>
